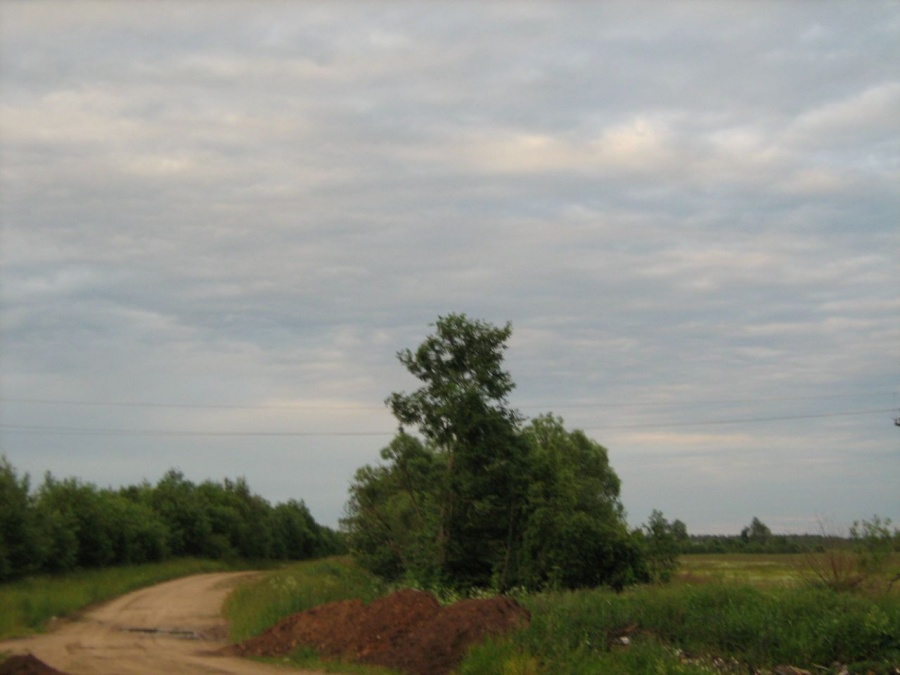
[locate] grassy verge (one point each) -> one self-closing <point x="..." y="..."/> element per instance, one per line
<point x="28" y="604"/>
<point x="255" y="606"/>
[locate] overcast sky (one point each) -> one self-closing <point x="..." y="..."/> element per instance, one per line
<point x="220" y="222"/>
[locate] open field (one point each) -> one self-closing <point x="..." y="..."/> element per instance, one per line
<point x="779" y="569"/>
<point x="758" y="569"/>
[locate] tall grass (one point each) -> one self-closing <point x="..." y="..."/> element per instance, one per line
<point x="259" y="604"/>
<point x="574" y="632"/>
<point x="28" y="604"/>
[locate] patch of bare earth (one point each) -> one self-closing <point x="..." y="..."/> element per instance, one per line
<point x="408" y="631"/>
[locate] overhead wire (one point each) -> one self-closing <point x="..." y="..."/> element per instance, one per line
<point x="343" y="406"/>
<point x="84" y="431"/>
<point x="27" y="429"/>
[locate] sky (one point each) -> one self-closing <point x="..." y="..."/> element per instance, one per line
<point x="220" y="222"/>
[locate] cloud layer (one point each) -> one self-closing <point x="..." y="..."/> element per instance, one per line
<point x="688" y="211"/>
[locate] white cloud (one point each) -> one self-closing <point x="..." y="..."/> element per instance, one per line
<point x="871" y="113"/>
<point x="262" y="204"/>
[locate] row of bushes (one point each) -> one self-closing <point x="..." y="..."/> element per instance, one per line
<point x="68" y="524"/>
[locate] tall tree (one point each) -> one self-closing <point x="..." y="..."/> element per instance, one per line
<point x="756" y="533"/>
<point x="476" y="498"/>
<point x="462" y="411"/>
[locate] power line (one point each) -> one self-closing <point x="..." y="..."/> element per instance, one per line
<point x="342" y="406"/>
<point x="80" y="431"/>
<point x="214" y="406"/>
<point x="745" y="420"/>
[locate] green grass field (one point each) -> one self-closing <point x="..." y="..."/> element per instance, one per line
<point x="758" y="569"/>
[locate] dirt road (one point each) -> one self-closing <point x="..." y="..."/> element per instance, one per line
<point x="174" y="628"/>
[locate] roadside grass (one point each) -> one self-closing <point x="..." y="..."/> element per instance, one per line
<point x="260" y="603"/>
<point x="27" y="605"/>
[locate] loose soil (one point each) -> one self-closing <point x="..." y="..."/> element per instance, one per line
<point x="408" y="631"/>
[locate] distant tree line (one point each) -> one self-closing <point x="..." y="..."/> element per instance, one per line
<point x="758" y="538"/>
<point x="68" y="524"/>
<point x="479" y="498"/>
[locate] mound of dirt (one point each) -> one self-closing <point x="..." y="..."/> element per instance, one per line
<point x="407" y="630"/>
<point x="26" y="664"/>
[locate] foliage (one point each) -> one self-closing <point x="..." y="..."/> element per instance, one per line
<point x="757" y="532"/>
<point x="67" y="524"/>
<point x="19" y="536"/>
<point x="479" y="499"/>
<point x="662" y="543"/>
<point x="393" y="511"/>
<point x="575" y="533"/>
<point x="461" y="410"/>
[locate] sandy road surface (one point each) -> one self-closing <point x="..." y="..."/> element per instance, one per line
<point x="174" y="628"/>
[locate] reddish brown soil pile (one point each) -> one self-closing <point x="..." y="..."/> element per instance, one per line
<point x="26" y="665"/>
<point x="407" y="630"/>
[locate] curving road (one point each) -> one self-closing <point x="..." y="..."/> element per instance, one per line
<point x="174" y="628"/>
